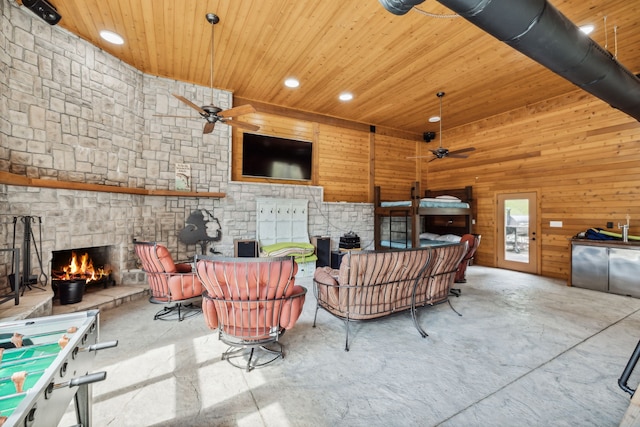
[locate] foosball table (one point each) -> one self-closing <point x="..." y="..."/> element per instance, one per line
<point x="45" y="363"/>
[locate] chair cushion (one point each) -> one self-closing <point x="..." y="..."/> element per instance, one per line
<point x="272" y="281"/>
<point x="292" y="308"/>
<point x="209" y="312"/>
<point x="244" y="297"/>
<point x="165" y="259"/>
<point x="183" y="286"/>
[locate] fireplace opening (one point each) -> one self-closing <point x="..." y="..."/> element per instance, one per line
<point x="89" y="265"/>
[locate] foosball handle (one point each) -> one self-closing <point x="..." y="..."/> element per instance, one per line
<point x="103" y="345"/>
<point x="77" y="382"/>
<point x="88" y="379"/>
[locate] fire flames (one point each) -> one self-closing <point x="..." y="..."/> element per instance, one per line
<point x="81" y="268"/>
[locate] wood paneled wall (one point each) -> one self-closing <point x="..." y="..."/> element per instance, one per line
<point x="348" y="160"/>
<point x="581" y="157"/>
<point x="343" y="164"/>
<point x="394" y="171"/>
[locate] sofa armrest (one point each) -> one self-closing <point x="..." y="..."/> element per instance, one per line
<point x="326" y="275"/>
<point x="326" y="287"/>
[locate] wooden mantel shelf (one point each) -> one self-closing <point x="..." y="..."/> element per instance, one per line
<point x="20" y="180"/>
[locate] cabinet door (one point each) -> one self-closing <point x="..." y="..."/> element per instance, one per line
<point x="624" y="270"/>
<point x="266" y="223"/>
<point x="299" y="219"/>
<point x="283" y="223"/>
<point x="590" y="267"/>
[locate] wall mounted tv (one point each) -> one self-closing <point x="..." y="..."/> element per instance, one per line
<point x="278" y="158"/>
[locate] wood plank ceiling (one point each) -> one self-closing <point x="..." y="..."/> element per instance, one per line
<point x="394" y="65"/>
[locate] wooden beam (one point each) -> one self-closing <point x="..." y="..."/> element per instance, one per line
<point x="263" y="107"/>
<point x="278" y="110"/>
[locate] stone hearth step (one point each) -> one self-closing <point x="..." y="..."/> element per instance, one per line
<point x="38" y="303"/>
<point x="103" y="299"/>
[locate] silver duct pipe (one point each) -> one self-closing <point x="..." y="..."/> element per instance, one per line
<point x="540" y="31"/>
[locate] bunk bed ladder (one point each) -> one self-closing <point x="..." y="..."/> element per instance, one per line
<point x="398" y="231"/>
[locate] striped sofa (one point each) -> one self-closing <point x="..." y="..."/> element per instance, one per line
<point x="374" y="284"/>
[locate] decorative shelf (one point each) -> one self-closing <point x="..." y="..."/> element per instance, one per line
<point x="20" y="180"/>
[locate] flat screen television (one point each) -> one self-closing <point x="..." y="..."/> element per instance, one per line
<point x="273" y="157"/>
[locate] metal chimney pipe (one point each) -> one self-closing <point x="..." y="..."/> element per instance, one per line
<point x="538" y="30"/>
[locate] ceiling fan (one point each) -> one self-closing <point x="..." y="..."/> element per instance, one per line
<point x="441" y="152"/>
<point x="211" y="113"/>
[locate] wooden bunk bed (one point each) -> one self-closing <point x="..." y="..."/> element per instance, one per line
<point x="401" y="218"/>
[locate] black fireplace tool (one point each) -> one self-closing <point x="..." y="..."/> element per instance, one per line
<point x="28" y="280"/>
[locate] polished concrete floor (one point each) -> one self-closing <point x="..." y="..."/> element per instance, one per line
<point x="527" y="351"/>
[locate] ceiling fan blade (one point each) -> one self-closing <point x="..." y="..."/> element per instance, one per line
<point x="463" y="150"/>
<point x="241" y="125"/>
<point x="191" y="104"/>
<point x="208" y="127"/>
<point x="237" y="111"/>
<point x="458" y="156"/>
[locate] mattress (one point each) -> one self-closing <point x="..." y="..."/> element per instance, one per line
<point x="427" y="203"/>
<point x="401" y="244"/>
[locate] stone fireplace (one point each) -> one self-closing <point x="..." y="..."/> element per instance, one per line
<point x="102" y="223"/>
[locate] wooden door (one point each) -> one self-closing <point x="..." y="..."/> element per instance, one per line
<point x="517" y="245"/>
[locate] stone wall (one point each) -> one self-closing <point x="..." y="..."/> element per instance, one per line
<point x="69" y="111"/>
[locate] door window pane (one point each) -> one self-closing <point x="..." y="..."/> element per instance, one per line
<point x="516" y="230"/>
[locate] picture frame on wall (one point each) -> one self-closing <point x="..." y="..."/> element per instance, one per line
<point x="183" y="177"/>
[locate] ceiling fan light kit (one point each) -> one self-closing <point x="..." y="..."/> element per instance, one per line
<point x="211" y="113"/>
<point x="441" y="152"/>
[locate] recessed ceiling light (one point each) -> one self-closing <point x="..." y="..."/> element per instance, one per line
<point x="291" y="82"/>
<point x="434" y="119"/>
<point x="345" y="96"/>
<point x="587" y="29"/>
<point x="111" y="37"/>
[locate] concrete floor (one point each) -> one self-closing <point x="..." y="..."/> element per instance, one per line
<point x="528" y="351"/>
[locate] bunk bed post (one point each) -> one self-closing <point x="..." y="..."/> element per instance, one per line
<point x="415" y="217"/>
<point x="469" y="199"/>
<point x="377" y="219"/>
